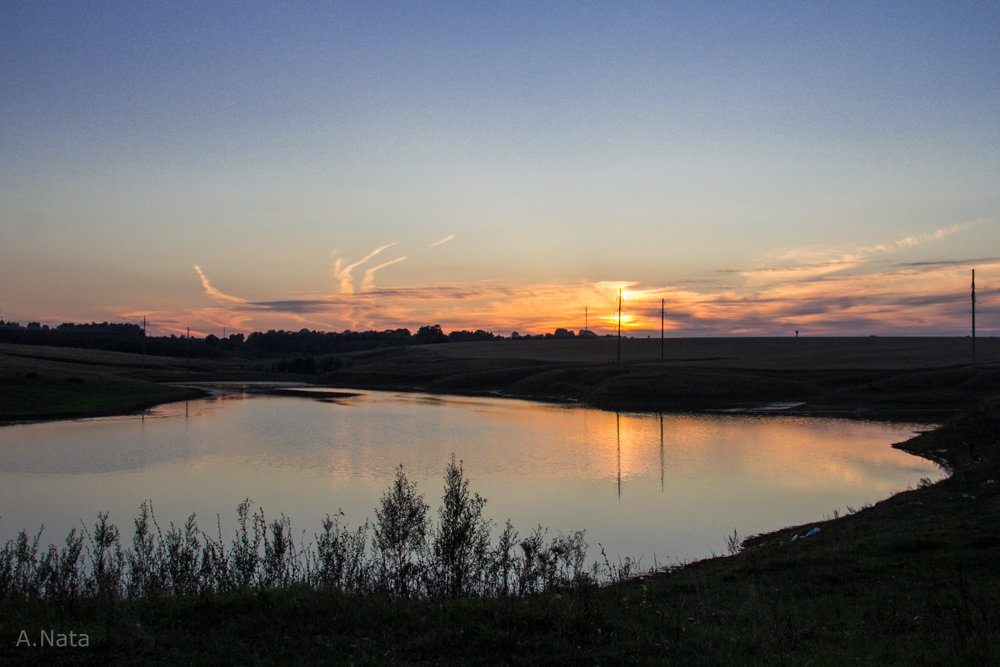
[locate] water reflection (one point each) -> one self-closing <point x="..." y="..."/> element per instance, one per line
<point x="618" y="440"/>
<point x="661" y="452"/>
<point x="565" y="467"/>
<point x="618" y="434"/>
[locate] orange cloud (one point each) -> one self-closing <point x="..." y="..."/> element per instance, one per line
<point x="812" y="291"/>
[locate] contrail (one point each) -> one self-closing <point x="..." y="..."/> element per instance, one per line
<point x="936" y="235"/>
<point x="212" y="291"/>
<point x="442" y="241"/>
<point x="344" y="275"/>
<point x="369" y="280"/>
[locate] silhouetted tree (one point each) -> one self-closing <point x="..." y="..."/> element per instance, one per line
<point x="430" y="334"/>
<point x="462" y="336"/>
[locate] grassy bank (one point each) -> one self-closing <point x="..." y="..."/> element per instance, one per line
<point x="39" y="382"/>
<point x="58" y="396"/>
<point x="910" y="580"/>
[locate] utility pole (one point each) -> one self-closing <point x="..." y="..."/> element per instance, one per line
<point x="661" y="329"/>
<point x="144" y="342"/>
<point x="586" y="319"/>
<point x="619" y="326"/>
<point x="973" y="317"/>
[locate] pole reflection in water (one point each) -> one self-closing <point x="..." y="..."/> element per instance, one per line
<point x="536" y="464"/>
<point x="618" y="432"/>
<point x="661" y="452"/>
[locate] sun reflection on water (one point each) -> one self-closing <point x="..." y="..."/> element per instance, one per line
<point x="671" y="485"/>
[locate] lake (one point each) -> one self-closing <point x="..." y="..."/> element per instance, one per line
<point x="666" y="487"/>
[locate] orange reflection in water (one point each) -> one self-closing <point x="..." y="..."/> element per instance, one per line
<point x="822" y="453"/>
<point x="672" y="485"/>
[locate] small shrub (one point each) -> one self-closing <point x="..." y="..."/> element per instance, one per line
<point x="279" y="552"/>
<point x="623" y="570"/>
<point x="246" y="549"/>
<point x="181" y="549"/>
<point x="400" y="535"/>
<point x="502" y="562"/>
<point x="107" y="562"/>
<point x="530" y="565"/>
<point x="733" y="543"/>
<point x="59" y="571"/>
<point x="144" y="558"/>
<point x="340" y="555"/>
<point x="460" y="544"/>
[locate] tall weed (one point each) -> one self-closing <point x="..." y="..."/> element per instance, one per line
<point x="401" y="553"/>
<point x="460" y="543"/>
<point x="400" y="542"/>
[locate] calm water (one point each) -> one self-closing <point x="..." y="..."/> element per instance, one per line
<point x="672" y="486"/>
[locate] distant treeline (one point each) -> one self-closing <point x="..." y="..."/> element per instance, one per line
<point x="121" y="337"/>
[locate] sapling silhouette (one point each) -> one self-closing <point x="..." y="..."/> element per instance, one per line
<point x="461" y="543"/>
<point x="401" y="534"/>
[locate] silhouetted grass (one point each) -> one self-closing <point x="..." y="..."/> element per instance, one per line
<point x="910" y="580"/>
<point x="399" y="555"/>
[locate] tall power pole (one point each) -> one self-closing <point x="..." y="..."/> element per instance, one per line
<point x="661" y="329"/>
<point x="619" y="326"/>
<point x="973" y="317"/>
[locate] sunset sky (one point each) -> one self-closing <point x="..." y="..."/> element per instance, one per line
<point x="765" y="167"/>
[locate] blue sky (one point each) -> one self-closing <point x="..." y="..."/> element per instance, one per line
<point x="763" y="167"/>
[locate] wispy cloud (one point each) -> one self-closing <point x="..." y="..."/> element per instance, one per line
<point x="212" y="291"/>
<point x="949" y="262"/>
<point x="812" y="262"/>
<point x="442" y="241"/>
<point x="368" y="282"/>
<point x="343" y="273"/>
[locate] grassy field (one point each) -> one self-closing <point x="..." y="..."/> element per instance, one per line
<point x="910" y="580"/>
<point x="873" y="376"/>
<point x="877" y="376"/>
<point x="39" y="382"/>
<point x="761" y="353"/>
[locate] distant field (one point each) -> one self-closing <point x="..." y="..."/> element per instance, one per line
<point x="888" y="375"/>
<point x="39" y="382"/>
<point x="79" y="361"/>
<point x="760" y="353"/>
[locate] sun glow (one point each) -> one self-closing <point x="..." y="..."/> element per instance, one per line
<point x="774" y="297"/>
<point x="905" y="300"/>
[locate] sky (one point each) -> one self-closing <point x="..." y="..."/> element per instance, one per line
<point x="758" y="168"/>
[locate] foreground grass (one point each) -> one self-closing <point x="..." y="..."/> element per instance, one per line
<point x="911" y="580"/>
